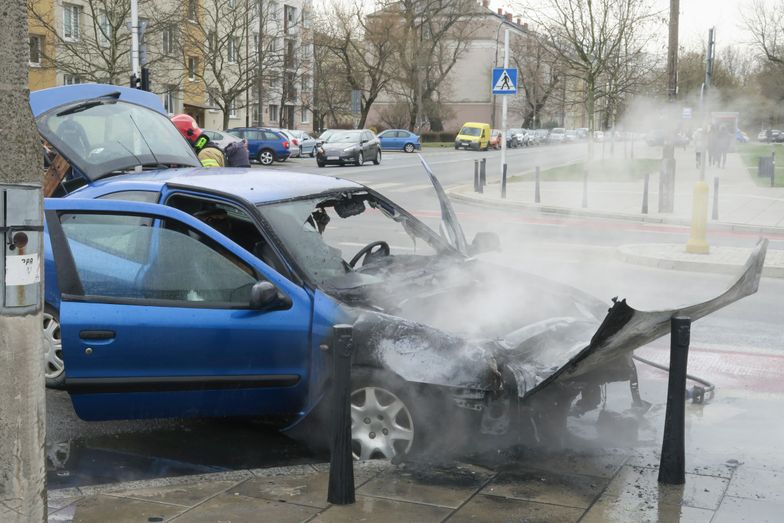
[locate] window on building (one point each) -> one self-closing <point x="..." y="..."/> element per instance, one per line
<point x="71" y="79"/>
<point x="273" y="113"/>
<point x="273" y="11"/>
<point x="304" y="115"/>
<point x="306" y="83"/>
<point x="255" y="114"/>
<point x="104" y="30"/>
<point x="233" y="109"/>
<point x="170" y="99"/>
<point x="232" y="4"/>
<point x="290" y="86"/>
<point x="168" y="40"/>
<point x="212" y="42"/>
<point x="255" y="42"/>
<point x="289" y="18"/>
<point x="193" y="10"/>
<point x="193" y="66"/>
<point x="233" y="50"/>
<point x="71" y="21"/>
<point x="36" y="44"/>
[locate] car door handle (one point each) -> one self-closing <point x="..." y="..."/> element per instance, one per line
<point x="96" y="335"/>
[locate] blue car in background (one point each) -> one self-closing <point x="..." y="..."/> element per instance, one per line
<point x="264" y="145"/>
<point x="399" y="140"/>
<point x="174" y="290"/>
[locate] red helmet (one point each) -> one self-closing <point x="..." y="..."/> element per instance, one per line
<point x="187" y="126"/>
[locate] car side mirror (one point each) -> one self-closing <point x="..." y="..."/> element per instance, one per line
<point x="265" y="296"/>
<point x="484" y="242"/>
<point x="363" y="142"/>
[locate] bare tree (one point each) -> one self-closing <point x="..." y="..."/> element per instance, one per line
<point x="764" y="22"/>
<point x="94" y="42"/>
<point x="364" y="46"/>
<point x="22" y="409"/>
<point x="592" y="37"/>
<point x="540" y="76"/>
<point x="332" y="91"/>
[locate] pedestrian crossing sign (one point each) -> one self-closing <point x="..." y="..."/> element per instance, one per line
<point x="504" y="81"/>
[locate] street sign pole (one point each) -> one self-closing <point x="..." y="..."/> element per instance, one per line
<point x="504" y="104"/>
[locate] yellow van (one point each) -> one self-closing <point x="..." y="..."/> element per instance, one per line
<point x="473" y="136"/>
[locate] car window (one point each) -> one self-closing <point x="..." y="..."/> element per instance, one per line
<point x="470" y="131"/>
<point x="238" y="134"/>
<point x="132" y="196"/>
<point x="269" y="135"/>
<point x="254" y="135"/>
<point x="122" y="256"/>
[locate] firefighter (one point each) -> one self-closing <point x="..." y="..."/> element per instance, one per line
<point x="210" y="155"/>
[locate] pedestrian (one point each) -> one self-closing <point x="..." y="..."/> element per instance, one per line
<point x="713" y="152"/>
<point x="210" y="155"/>
<point x="723" y="145"/>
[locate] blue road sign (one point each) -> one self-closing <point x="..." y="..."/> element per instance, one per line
<point x="504" y="81"/>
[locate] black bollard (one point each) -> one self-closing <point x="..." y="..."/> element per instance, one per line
<point x="503" y="182"/>
<point x="585" y="188"/>
<point x="715" y="215"/>
<point x="476" y="175"/>
<point x="483" y="174"/>
<point x="645" y="193"/>
<point x="672" y="467"/>
<point x="341" y="462"/>
<point x="537" y="194"/>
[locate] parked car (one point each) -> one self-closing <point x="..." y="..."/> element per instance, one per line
<point x="598" y="136"/>
<point x="294" y="151"/>
<point x="557" y="135"/>
<point x="473" y="136"/>
<point x="741" y="137"/>
<point x="208" y="292"/>
<point x="307" y="144"/>
<point x="513" y="138"/>
<point x="355" y="146"/>
<point x="399" y="140"/>
<point x="222" y="140"/>
<point x="571" y="135"/>
<point x="763" y="136"/>
<point x="264" y="145"/>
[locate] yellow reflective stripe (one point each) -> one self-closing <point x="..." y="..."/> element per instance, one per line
<point x="209" y="162"/>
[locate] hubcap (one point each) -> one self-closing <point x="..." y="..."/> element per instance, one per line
<point x="266" y="158"/>
<point x="381" y="424"/>
<point x="53" y="348"/>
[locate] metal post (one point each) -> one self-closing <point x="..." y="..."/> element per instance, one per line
<point x="482" y="175"/>
<point x="537" y="194"/>
<point x="503" y="182"/>
<point x="504" y="104"/>
<point x="135" y="38"/>
<point x="773" y="169"/>
<point x="715" y="215"/>
<point x="672" y="467"/>
<point x="645" y="193"/>
<point x="341" y="463"/>
<point x="585" y="188"/>
<point x="476" y="175"/>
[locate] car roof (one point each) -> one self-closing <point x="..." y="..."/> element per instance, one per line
<point x="255" y="185"/>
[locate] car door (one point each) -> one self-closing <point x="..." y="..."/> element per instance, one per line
<point x="156" y="318"/>
<point x="385" y="139"/>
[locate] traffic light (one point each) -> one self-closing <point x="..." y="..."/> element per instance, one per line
<point x="145" y="84"/>
<point x="135" y="82"/>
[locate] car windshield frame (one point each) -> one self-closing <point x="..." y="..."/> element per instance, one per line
<point x="470" y="131"/>
<point x="160" y="145"/>
<point x="347" y="136"/>
<point x="284" y="225"/>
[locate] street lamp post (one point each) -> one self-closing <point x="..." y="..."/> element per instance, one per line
<point x="495" y="60"/>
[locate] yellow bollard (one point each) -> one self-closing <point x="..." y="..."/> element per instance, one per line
<point x="698" y="243"/>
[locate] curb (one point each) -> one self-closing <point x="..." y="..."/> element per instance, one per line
<point x="464" y="193"/>
<point x="627" y="254"/>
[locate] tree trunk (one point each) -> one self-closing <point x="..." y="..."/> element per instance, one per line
<point x="23" y="406"/>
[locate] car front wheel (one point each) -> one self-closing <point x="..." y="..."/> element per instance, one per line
<point x="265" y="157"/>
<point x="377" y="159"/>
<point x="409" y="148"/>
<point x="54" y="366"/>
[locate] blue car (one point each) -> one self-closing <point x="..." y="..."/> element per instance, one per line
<point x="399" y="140"/>
<point x="264" y="145"/>
<point x="173" y="290"/>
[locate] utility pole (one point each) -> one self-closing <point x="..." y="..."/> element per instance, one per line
<point x="259" y="65"/>
<point x="22" y="401"/>
<point x="672" y="52"/>
<point x="667" y="180"/>
<point x="135" y="39"/>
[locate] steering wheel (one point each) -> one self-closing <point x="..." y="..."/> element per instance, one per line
<point x="367" y="252"/>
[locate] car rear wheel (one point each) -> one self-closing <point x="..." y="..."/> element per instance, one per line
<point x="54" y="366"/>
<point x="384" y="422"/>
<point x="377" y="159"/>
<point x="265" y="157"/>
<point x="409" y="148"/>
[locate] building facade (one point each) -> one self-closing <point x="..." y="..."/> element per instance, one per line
<point x="203" y="56"/>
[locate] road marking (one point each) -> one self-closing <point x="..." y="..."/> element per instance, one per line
<point x="412" y="188"/>
<point x="399" y="247"/>
<point x="385" y="185"/>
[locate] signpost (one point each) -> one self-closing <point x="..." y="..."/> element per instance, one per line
<point x="504" y="83"/>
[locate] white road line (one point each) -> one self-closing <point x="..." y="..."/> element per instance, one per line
<point x="386" y="185"/>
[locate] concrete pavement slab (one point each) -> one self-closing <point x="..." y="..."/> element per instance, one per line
<point x="234" y="508"/>
<point x="185" y="495"/>
<point x="115" y="510"/>
<point x="380" y="510"/>
<point x="570" y="490"/>
<point x="739" y="510"/>
<point x="757" y="484"/>
<point x="615" y="510"/>
<point x="602" y="464"/>
<point x="494" y="509"/>
<point x="302" y="489"/>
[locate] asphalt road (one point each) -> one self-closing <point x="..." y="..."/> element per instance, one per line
<point x="577" y="251"/>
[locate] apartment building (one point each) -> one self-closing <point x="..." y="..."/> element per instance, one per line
<point x="204" y="56"/>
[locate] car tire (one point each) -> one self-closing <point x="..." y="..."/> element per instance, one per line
<point x="360" y="159"/>
<point x="377" y="159"/>
<point x="388" y="415"/>
<point x="457" y="148"/>
<point x="320" y="164"/>
<point x="54" y="365"/>
<point x="265" y="157"/>
<point x="409" y="148"/>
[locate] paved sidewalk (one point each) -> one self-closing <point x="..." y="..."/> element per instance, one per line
<point x="743" y="206"/>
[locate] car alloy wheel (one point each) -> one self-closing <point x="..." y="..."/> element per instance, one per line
<point x="360" y="159"/>
<point x="409" y="148"/>
<point x="382" y="426"/>
<point x="54" y="366"/>
<point x="266" y="157"/>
